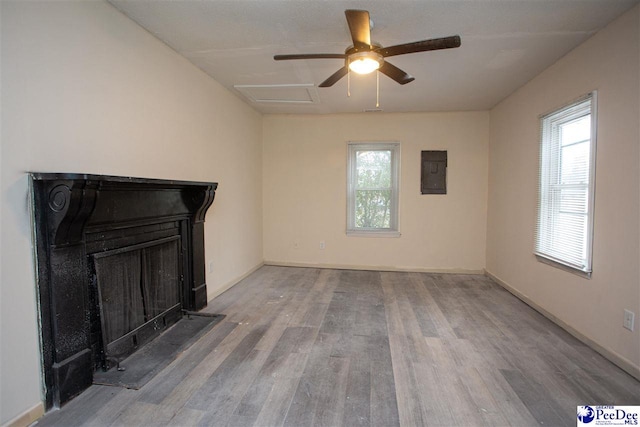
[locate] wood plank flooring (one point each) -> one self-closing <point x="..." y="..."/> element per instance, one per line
<point x="312" y="347"/>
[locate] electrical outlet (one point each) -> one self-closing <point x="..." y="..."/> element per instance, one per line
<point x="322" y="245"/>
<point x="629" y="317"/>
<point x="210" y="266"/>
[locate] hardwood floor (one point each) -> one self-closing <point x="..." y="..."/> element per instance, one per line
<point x="303" y="346"/>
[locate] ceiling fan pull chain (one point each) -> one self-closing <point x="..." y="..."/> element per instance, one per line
<point x="378" y="89"/>
<point x="348" y="82"/>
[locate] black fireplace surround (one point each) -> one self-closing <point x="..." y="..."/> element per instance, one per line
<point x="118" y="261"/>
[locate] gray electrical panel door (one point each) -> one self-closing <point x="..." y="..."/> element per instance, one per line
<point x="434" y="172"/>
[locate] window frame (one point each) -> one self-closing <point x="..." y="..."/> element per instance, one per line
<point x="353" y="147"/>
<point x="548" y="166"/>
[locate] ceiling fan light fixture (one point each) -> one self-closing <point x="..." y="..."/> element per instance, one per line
<point x="364" y="57"/>
<point x="365" y="62"/>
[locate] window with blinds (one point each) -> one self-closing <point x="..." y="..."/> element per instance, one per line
<point x="566" y="185"/>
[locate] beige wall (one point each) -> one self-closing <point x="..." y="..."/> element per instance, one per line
<point x="305" y="191"/>
<point x="84" y="89"/>
<point x="593" y="308"/>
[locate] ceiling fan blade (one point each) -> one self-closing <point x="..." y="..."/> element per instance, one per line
<point x="310" y="56"/>
<point x="360" y="28"/>
<point x="420" y="46"/>
<point x="334" y="77"/>
<point x="396" y="73"/>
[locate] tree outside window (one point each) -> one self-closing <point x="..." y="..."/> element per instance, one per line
<point x="373" y="188"/>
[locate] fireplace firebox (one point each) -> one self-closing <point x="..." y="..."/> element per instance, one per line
<point x="118" y="261"/>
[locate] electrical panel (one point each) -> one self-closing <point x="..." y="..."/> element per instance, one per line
<point x="433" y="172"/>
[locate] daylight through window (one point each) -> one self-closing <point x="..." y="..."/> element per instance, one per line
<point x="566" y="185"/>
<point x="373" y="188"/>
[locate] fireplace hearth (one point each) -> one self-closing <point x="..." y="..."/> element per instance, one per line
<point x="118" y="261"/>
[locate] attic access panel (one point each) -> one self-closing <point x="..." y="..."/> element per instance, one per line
<point x="280" y="94"/>
<point x="433" y="176"/>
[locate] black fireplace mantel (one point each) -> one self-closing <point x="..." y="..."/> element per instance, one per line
<point x="77" y="216"/>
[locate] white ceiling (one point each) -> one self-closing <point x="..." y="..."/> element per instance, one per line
<point x="505" y="43"/>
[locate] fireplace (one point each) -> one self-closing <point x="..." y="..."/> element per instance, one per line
<point x="118" y="261"/>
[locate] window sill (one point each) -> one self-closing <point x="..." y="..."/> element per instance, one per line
<point x="363" y="233"/>
<point x="554" y="263"/>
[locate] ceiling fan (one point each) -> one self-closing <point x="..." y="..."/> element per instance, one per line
<point x="365" y="57"/>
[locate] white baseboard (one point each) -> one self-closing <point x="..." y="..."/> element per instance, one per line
<point x="28" y="417"/>
<point x="373" y="268"/>
<point x="225" y="287"/>
<point x="620" y="361"/>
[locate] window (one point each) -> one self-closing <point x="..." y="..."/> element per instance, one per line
<point x="566" y="185"/>
<point x="372" y="189"/>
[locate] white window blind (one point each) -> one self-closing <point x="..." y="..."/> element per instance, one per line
<point x="372" y="188"/>
<point x="566" y="185"/>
